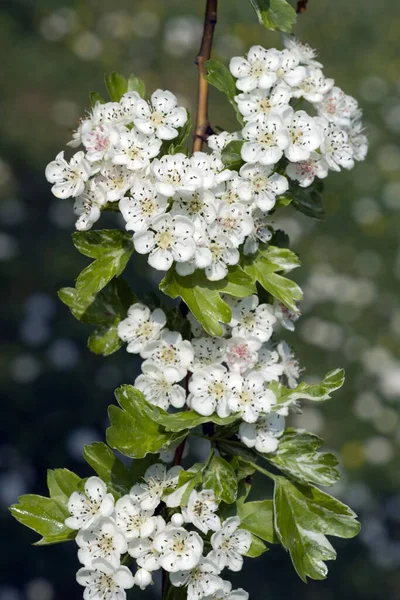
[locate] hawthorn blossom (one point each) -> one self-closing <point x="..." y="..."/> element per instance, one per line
<point x="135" y="150"/>
<point x="285" y="316"/>
<point x="143" y="551"/>
<point x="262" y="232"/>
<point x="223" y="254"/>
<point x="264" y="184"/>
<point x="179" y="549"/>
<point x="102" y="540"/>
<point x="306" y="171"/>
<point x="84" y="127"/>
<point x="314" y="86"/>
<point x="211" y="168"/>
<point x="242" y="353"/>
<point x="156" y="481"/>
<point x="161" y="116"/>
<point x="88" y="206"/>
<point x="87" y="508"/>
<point x="141" y="326"/>
<point x="175" y="174"/>
<point x="234" y="191"/>
<point x="251" y="398"/>
<point x="108" y="113"/>
<point x="258" y="104"/>
<point x="170" y="353"/>
<point x="170" y="238"/>
<point x="199" y="207"/>
<point x="128" y="104"/>
<point x="263" y="435"/>
<point x="201" y="581"/>
<point x="251" y="319"/>
<point x="257" y="70"/>
<point x="210" y="390"/>
<point x="207" y="350"/>
<point x="228" y="594"/>
<point x="305" y="53"/>
<point x="104" y="582"/>
<point x="68" y="178"/>
<point x="358" y="142"/>
<point x="338" y="107"/>
<point x="160" y="388"/>
<point x="265" y="140"/>
<point x="232" y="222"/>
<point x="202" y="257"/>
<point x="143" y="578"/>
<point x="220" y="141"/>
<point x="304" y="136"/>
<point x="201" y="511"/>
<point x="289" y="71"/>
<point x="100" y="142"/>
<point x="290" y="366"/>
<point x="116" y="180"/>
<point x="268" y="363"/>
<point x="142" y="205"/>
<point x="229" y="545"/>
<point x="335" y="148"/>
<point x="132" y="520"/>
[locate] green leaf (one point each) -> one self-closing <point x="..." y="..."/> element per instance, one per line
<point x="298" y="458"/>
<point x="62" y="483"/>
<point x="116" y="85"/>
<point x="111" y="250"/>
<point x="44" y="516"/>
<point x="318" y="392"/>
<point x="135" y="84"/>
<point x="134" y="429"/>
<point x="220" y="77"/>
<point x="109" y="468"/>
<point x="189" y="419"/>
<point x="238" y="283"/>
<point x="95" y="97"/>
<point x="275" y="14"/>
<point x="264" y="267"/>
<point x="201" y="296"/>
<point x="258" y="518"/>
<point x="221" y="477"/>
<point x="309" y="200"/>
<point x="257" y="547"/>
<point x="105" y="310"/>
<point x="231" y="155"/>
<point x="192" y="477"/>
<point x="304" y="515"/>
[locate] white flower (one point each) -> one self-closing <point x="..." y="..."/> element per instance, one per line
<point x="143" y="578"/>
<point x="135" y="150"/>
<point x="314" y="86"/>
<point x="257" y="71"/>
<point x="88" y="206"/>
<point x="261" y="103"/>
<point x="84" y="127"/>
<point x="100" y="142"/>
<point x="289" y="70"/>
<point x="142" y="205"/>
<point x="202" y="257"/>
<point x="68" y="178"/>
<point x="171" y="239"/>
<point x="171" y="354"/>
<point x="207" y="350"/>
<point x="335" y="147"/>
<point x="211" y="168"/>
<point x="304" y="136"/>
<point x="158" y="387"/>
<point x="251" y="319"/>
<point x="357" y="140"/>
<point x="109" y="113"/>
<point x="132" y="520"/>
<point x="263" y="435"/>
<point x="264" y="185"/>
<point x="102" y="540"/>
<point x="290" y="366"/>
<point x="141" y="326"/>
<point x="285" y="316"/>
<point x="267" y="364"/>
<point x="174" y="174"/>
<point x="229" y="545"/>
<point x="199" y="207"/>
<point x="262" y="232"/>
<point x="143" y="550"/>
<point x="160" y="117"/>
<point x="201" y="581"/>
<point x="89" y="507"/>
<point x="305" y="53"/>
<point x="116" y="180"/>
<point x="242" y="353"/>
<point x="338" y="107"/>
<point x="306" y="171"/>
<point x="234" y="191"/>
<point x="223" y="253"/>
<point x="265" y="140"/>
<point x="201" y="509"/>
<point x="128" y="104"/>
<point x="103" y="582"/>
<point x="232" y="222"/>
<point x="179" y="549"/>
<point x="210" y="389"/>
<point x="251" y="398"/>
<point x="220" y="141"/>
<point x="156" y="481"/>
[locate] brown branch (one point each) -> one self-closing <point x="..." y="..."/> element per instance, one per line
<point x="202" y="128"/>
<point x="301" y="6"/>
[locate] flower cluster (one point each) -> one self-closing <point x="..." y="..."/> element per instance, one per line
<point x="111" y="533"/>
<point x="193" y="211"/>
<point x="224" y="375"/>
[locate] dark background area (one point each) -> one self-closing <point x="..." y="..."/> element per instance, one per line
<point x="55" y="393"/>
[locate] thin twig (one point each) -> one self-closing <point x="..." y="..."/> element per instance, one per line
<point x="203" y="129"/>
<point x="301" y="6"/>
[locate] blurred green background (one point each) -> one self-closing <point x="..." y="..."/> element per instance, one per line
<point x="56" y="393"/>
